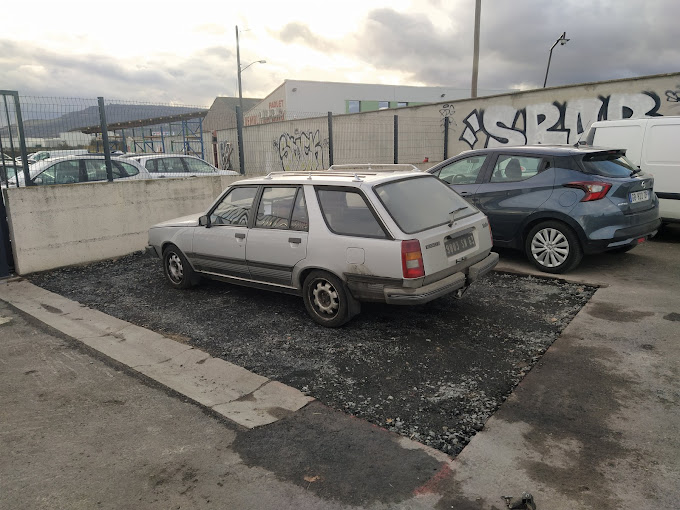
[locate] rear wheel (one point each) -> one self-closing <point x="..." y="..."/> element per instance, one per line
<point x="326" y="299"/>
<point x="553" y="247"/>
<point x="177" y="269"/>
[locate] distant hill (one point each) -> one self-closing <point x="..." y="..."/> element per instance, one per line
<point x="51" y="127"/>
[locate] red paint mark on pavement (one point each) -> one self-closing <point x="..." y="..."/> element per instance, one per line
<point x="433" y="483"/>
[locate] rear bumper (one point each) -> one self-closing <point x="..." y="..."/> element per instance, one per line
<point x="624" y="237"/>
<point x="420" y="295"/>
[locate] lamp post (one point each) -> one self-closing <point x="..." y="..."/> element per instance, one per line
<point x="562" y="40"/>
<point x="240" y="70"/>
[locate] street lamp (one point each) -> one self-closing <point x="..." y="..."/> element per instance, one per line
<point x="562" y="40"/>
<point x="241" y="69"/>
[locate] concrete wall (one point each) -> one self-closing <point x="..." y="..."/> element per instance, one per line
<point x="552" y="115"/>
<point x="56" y="226"/>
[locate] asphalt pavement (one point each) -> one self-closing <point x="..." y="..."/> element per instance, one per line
<point x="93" y="416"/>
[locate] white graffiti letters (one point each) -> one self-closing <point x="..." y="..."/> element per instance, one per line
<point x="555" y="123"/>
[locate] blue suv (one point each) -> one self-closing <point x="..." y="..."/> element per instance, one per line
<point x="557" y="203"/>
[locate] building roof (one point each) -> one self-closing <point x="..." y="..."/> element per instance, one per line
<point x="222" y="113"/>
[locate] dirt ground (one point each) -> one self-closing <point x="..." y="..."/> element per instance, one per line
<point x="434" y="373"/>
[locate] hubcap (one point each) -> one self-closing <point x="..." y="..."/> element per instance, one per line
<point x="175" y="268"/>
<point x="325" y="298"/>
<point x="550" y="247"/>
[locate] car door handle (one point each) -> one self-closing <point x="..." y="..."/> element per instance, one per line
<point x="240" y="236"/>
<point x="294" y="240"/>
<point x="463" y="193"/>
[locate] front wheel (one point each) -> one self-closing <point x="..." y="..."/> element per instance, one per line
<point x="553" y="247"/>
<point x="177" y="269"/>
<point x="326" y="299"/>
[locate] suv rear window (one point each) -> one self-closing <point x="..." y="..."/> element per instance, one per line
<point x="608" y="164"/>
<point x="420" y="203"/>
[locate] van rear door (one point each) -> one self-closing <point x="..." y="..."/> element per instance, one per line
<point x="624" y="135"/>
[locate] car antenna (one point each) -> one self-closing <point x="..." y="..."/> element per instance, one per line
<point x="583" y="133"/>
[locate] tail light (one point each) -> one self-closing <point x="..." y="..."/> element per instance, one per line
<point x="593" y="190"/>
<point x="412" y="259"/>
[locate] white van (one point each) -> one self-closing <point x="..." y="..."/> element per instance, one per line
<point x="653" y="144"/>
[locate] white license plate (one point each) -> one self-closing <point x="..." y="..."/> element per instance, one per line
<point x="638" y="196"/>
<point x="459" y="244"/>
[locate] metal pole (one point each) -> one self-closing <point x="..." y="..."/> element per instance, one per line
<point x="239" y="131"/>
<point x="548" y="68"/>
<point x="446" y="138"/>
<point x="396" y="139"/>
<point x="330" y="138"/>
<point x="22" y="140"/>
<point x="105" y="140"/>
<point x="238" y="71"/>
<point x="475" y="56"/>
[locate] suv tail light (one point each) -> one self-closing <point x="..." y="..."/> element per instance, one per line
<point x="412" y="259"/>
<point x="593" y="190"/>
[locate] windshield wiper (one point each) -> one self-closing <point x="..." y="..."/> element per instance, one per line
<point x="453" y="213"/>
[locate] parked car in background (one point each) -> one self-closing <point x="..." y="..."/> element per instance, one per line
<point x="556" y="203"/>
<point x="334" y="238"/>
<point x="77" y="169"/>
<point x="177" y="165"/>
<point x="652" y="144"/>
<point x="35" y="157"/>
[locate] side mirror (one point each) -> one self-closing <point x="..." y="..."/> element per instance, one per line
<point x="204" y="221"/>
<point x="37" y="180"/>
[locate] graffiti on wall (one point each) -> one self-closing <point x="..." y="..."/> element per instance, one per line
<point x="673" y="96"/>
<point x="553" y="123"/>
<point x="226" y="151"/>
<point x="301" y="151"/>
<point x="448" y="110"/>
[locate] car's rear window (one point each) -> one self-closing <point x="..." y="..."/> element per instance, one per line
<point x="608" y="164"/>
<point x="420" y="203"/>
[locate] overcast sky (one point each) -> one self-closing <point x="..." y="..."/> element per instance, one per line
<point x="185" y="52"/>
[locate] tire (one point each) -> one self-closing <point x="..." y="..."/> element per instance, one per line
<point x="177" y="269"/>
<point x="553" y="247"/>
<point x="326" y="299"/>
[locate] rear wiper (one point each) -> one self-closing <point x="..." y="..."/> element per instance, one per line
<point x="453" y="213"/>
<point x="636" y="171"/>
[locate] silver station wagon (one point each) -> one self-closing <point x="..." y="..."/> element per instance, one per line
<point x="336" y="238"/>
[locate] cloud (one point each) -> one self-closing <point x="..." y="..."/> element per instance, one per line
<point x="301" y="33"/>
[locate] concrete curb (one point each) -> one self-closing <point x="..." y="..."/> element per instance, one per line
<point x="241" y="396"/>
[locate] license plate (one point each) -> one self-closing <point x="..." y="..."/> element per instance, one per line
<point x="639" y="196"/>
<point x="459" y="244"/>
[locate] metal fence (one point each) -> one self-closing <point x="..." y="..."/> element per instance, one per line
<point x="47" y="127"/>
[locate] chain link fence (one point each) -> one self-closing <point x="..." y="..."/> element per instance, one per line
<point x="47" y="127"/>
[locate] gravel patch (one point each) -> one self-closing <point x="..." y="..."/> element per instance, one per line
<point x="434" y="373"/>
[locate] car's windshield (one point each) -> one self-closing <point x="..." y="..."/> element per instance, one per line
<point x="608" y="164"/>
<point x="417" y="204"/>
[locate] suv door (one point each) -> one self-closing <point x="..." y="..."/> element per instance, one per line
<point x="464" y="175"/>
<point x="514" y="186"/>
<point x="278" y="239"/>
<point x="220" y="247"/>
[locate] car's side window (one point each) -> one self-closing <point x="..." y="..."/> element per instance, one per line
<point x="235" y="207"/>
<point x="66" y="172"/>
<point x="151" y="165"/>
<point x="128" y="170"/>
<point x="513" y="168"/>
<point x="464" y="171"/>
<point x="198" y="166"/>
<point x="300" y="219"/>
<point x="276" y="208"/>
<point x="347" y="213"/>
<point x="171" y="165"/>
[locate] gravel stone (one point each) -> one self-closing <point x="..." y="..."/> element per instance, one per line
<point x="434" y="373"/>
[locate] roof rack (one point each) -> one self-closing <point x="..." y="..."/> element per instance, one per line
<point x="375" y="167"/>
